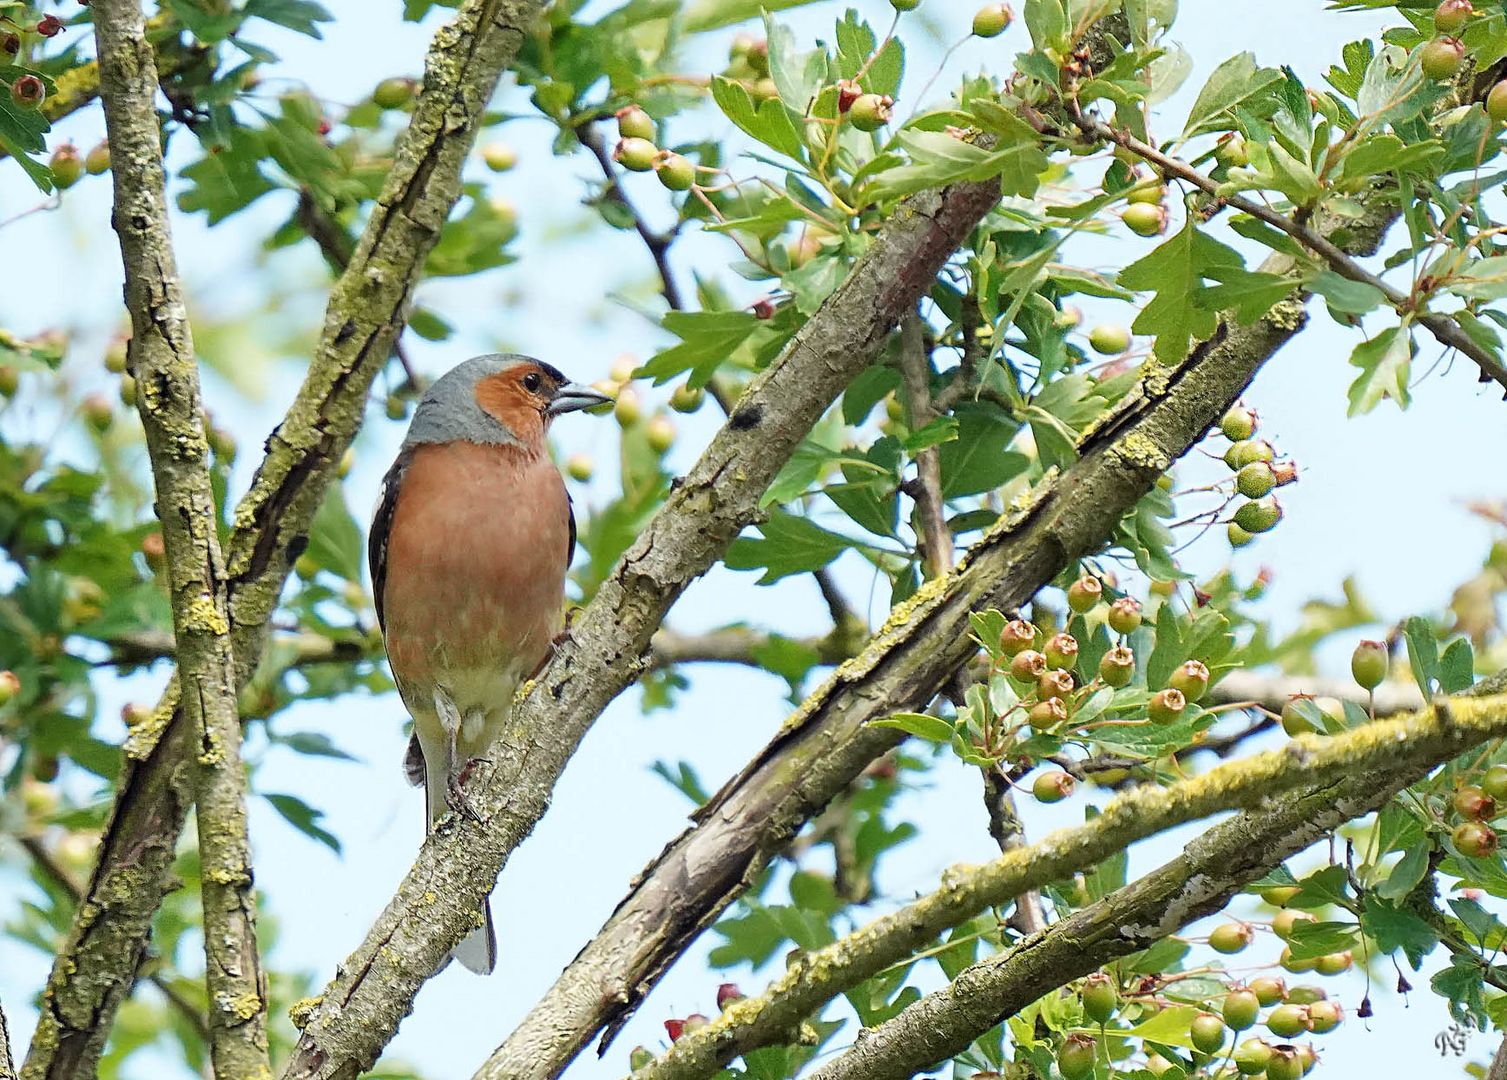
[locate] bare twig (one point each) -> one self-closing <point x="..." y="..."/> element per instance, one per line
<point x="931" y="508"/>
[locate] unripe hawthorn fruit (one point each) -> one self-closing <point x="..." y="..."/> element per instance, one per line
<point x="1368" y="664"/>
<point x="66" y="165"/>
<point x="1055" y="683"/>
<point x="1334" y="963"/>
<point x="1269" y="990"/>
<point x="1125" y="615"/>
<point x="1471" y="802"/>
<point x="1230" y="938"/>
<point x="1474" y="839"/>
<point x="1150" y="193"/>
<point x="991" y="20"/>
<point x="1062" y="651"/>
<point x="1441" y="57"/>
<point x="1259" y="515"/>
<point x="628" y="410"/>
<point x="1496" y="102"/>
<point x="1051" y="787"/>
<point x="1305" y="995"/>
<point x="675" y="171"/>
<point x="397" y="408"/>
<point x="1028" y="665"/>
<point x="10" y="686"/>
<point x="1237" y="536"/>
<point x="1101" y="998"/>
<point x="1068" y="317"/>
<point x="640" y="1057"/>
<point x="1307" y="1056"/>
<point x="394" y="93"/>
<point x="1143" y="219"/>
<point x="695" y="1022"/>
<point x="764" y="90"/>
<point x="1324" y="1017"/>
<point x="1109" y="339"/>
<point x="306" y="567"/>
<point x="155" y="550"/>
<point x="1494" y="783"/>
<point x="1284" y="1064"/>
<point x="1240" y="1009"/>
<point x="635" y="155"/>
<point x="1046" y="715"/>
<point x="1207" y="1033"/>
<point x="1251" y="1056"/>
<point x="1286" y="1021"/>
<point x="623" y="367"/>
<point x="1293" y="721"/>
<point x="97" y="160"/>
<point x="905" y="5"/>
<point x="499" y="156"/>
<point x="1284" y="920"/>
<point x="758" y="55"/>
<point x="1075" y="1057"/>
<point x="579" y="467"/>
<point x="1256" y="480"/>
<point x="894" y="409"/>
<point x="1230" y="151"/>
<point x="634" y="123"/>
<point x="1293" y="964"/>
<point x="1450" y="15"/>
<point x="97" y="412"/>
<point x="1191" y="679"/>
<point x="687" y="400"/>
<point x="1166" y="706"/>
<point x="1084" y="594"/>
<point x="1238" y="423"/>
<point x="1244" y="451"/>
<point x="870" y="112"/>
<point x="660" y="434"/>
<point x="1016" y="637"/>
<point x="1117" y="667"/>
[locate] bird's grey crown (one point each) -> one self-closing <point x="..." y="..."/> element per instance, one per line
<point x="448" y="411"/>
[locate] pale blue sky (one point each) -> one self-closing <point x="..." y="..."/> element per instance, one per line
<point x="1381" y="498"/>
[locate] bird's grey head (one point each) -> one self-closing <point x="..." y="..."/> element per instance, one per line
<point x="495" y="399"/>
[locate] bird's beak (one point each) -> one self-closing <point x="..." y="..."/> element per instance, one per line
<point x="573" y="397"/>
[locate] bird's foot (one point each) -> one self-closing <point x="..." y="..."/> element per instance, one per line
<point x="455" y="795"/>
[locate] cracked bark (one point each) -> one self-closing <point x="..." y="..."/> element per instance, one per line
<point x="93" y="973"/>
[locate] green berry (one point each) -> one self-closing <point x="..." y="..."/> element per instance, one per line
<point x="1496" y="102"/>
<point x="579" y="467"/>
<point x="1306" y="995"/>
<point x="28" y="92"/>
<point x="67" y="166"/>
<point x="1240" y="1009"/>
<point x="1269" y="990"/>
<point x="1252" y="1056"/>
<point x="660" y="433"/>
<point x="1166" y="706"/>
<point x="1125" y="615"/>
<point x="97" y="160"/>
<point x="1051" y="787"/>
<point x="1207" y="1033"/>
<point x="1028" y="665"/>
<point x="1062" y="651"/>
<point x="1143" y="219"/>
<point x="675" y="171"/>
<point x="1256" y="480"/>
<point x="640" y="1057"/>
<point x="905" y="5"/>
<point x="1286" y="1021"/>
<point x="97" y="412"/>
<point x="991" y="20"/>
<point x="1334" y="963"/>
<point x="1474" y="839"/>
<point x="394" y="93"/>
<point x="870" y="112"/>
<point x="1230" y="938"/>
<point x="117" y="353"/>
<point x="1084" y="594"/>
<point x="634" y="123"/>
<point x="1494" y="783"/>
<point x="1285" y="1064"/>
<point x="1324" y="1017"/>
<point x="128" y="391"/>
<point x="1100" y="997"/>
<point x="1151" y="193"/>
<point x="1016" y="637"/>
<point x="1451" y="15"/>
<point x="1075" y="1058"/>
<point x="1284" y="921"/>
<point x="1054" y="683"/>
<point x="1109" y="339"/>
<point x="1471" y="802"/>
<point x="1441" y="57"/>
<point x="1237" y="536"/>
<point x="758" y="56"/>
<point x="1230" y="151"/>
<point x="499" y="156"/>
<point x="1046" y="715"/>
<point x="635" y="155"/>
<point x="1244" y="451"/>
<point x="628" y="409"/>
<point x="10" y="686"/>
<point x="687" y="400"/>
<point x="1293" y="721"/>
<point x="1260" y="515"/>
<point x="1117" y="667"/>
<point x="1293" y="964"/>
<point x="1238" y="424"/>
<point x="1368" y="663"/>
<point x="1191" y="679"/>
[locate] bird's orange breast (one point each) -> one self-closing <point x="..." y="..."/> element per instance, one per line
<point x="476" y="560"/>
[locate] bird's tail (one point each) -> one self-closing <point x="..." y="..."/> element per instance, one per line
<point x="478" y="950"/>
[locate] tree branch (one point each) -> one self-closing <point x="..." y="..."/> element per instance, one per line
<point x="1498" y="1069"/>
<point x="162" y="360"/>
<point x="92" y="974"/>
<point x="7" y="1064"/>
<point x="1307" y="762"/>
<point x="460" y="860"/>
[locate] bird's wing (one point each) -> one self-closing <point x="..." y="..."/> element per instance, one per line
<point x="376" y="543"/>
<point x="570" y="515"/>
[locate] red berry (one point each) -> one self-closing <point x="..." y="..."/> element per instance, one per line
<point x="1191" y="680"/>
<point x="1028" y="665"/>
<point x="1441" y="57"/>
<point x="848" y="92"/>
<point x="728" y="993"/>
<point x="28" y="91"/>
<point x="1474" y="840"/>
<point x="1017" y="636"/>
<point x="675" y="1029"/>
<point x="1451" y="15"/>
<point x="1117" y="667"/>
<point x="1368" y="663"/>
<point x="1062" y="651"/>
<point x="1084" y="594"/>
<point x="1166" y="706"/>
<point x="1125" y="615"/>
<point x="10" y="43"/>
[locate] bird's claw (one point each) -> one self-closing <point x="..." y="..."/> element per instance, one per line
<point x="455" y="795"/>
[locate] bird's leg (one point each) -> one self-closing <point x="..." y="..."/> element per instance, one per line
<point x="450" y="721"/>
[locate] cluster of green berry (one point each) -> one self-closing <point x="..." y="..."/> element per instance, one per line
<point x="637" y="152"/>
<point x="1144" y="213"/>
<point x="1476" y="805"/>
<point x="69" y="166"/>
<point x="1258" y="474"/>
<point x="1442" y="56"/>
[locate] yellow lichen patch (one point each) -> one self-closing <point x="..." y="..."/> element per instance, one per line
<point x="302" y="1011"/>
<point x="241" y="1006"/>
<point x="1287" y="315"/>
<point x="1140" y="450"/>
<point x="525" y="688"/>
<point x="227" y="877"/>
<point x="145" y="733"/>
<point x="202" y="616"/>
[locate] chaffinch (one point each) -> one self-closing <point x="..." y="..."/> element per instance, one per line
<point x="468" y="551"/>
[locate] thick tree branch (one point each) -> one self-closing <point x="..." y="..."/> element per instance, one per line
<point x="1197" y="883"/>
<point x="366" y="311"/>
<point x="1306" y="762"/>
<point x="172" y="414"/>
<point x="7" y="1064"/>
<point x="926" y="492"/>
<point x="460" y="860"/>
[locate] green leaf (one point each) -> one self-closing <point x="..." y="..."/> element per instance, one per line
<point x="1407" y="873"/>
<point x="769" y="121"/>
<point x="1393" y="928"/>
<point x="1483" y="279"/>
<point x="707" y="339"/>
<point x="1250" y="294"/>
<point x="977" y="461"/>
<point x="303" y="16"/>
<point x="1457" y="667"/>
<point x="1047" y="21"/>
<point x="1310" y="940"/>
<point x="1423" y="653"/>
<point x="1342" y="294"/>
<point x="1174" y="271"/>
<point x="304" y="818"/>
<point x="1463" y="984"/>
<point x="1236" y="83"/>
<point x="931" y="728"/>
<point x="703" y="15"/>
<point x="1386" y="363"/>
<point x="790" y="545"/>
<point x="1169" y="1027"/>
<point x="335" y="542"/>
<point x="312" y="743"/>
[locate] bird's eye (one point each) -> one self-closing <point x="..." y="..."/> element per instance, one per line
<point x="532" y="381"/>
